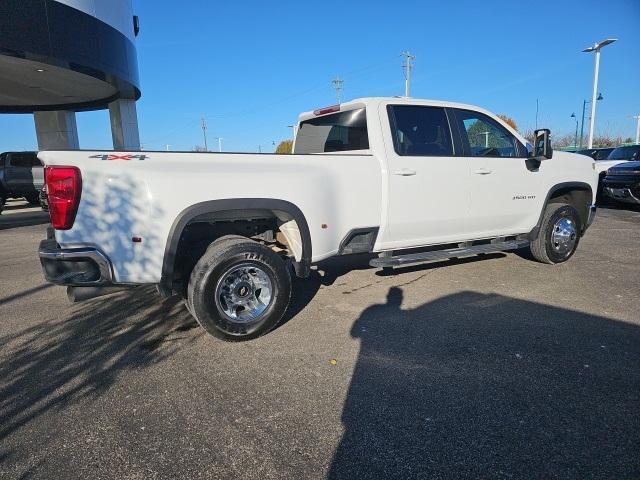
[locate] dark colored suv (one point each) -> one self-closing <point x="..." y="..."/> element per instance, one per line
<point x="21" y="175"/>
<point x="622" y="182"/>
<point x="628" y="152"/>
<point x="596" y="153"/>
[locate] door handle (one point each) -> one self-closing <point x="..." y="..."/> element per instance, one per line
<point x="483" y="171"/>
<point x="405" y="172"/>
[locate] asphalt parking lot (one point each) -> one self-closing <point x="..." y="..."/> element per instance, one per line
<point x="489" y="367"/>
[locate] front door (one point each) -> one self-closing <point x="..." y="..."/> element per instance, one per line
<point x="504" y="186"/>
<point x="428" y="185"/>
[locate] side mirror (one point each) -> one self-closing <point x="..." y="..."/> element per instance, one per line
<point x="542" y="144"/>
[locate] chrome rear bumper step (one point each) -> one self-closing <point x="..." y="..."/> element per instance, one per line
<point x="465" y="251"/>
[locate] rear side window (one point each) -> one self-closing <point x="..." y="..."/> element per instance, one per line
<point x="337" y="132"/>
<point x="23" y="160"/>
<point x="420" y="131"/>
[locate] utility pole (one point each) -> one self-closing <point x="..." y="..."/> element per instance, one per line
<point x="575" y="139"/>
<point x="337" y="84"/>
<point x="408" y="58"/>
<point x="219" y="143"/>
<point x="637" y="117"/>
<point x="204" y="133"/>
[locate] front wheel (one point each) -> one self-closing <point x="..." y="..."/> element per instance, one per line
<point x="559" y="234"/>
<point x="239" y="289"/>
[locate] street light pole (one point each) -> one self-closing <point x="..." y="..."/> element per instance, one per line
<point x="596" y="48"/>
<point x="592" y="120"/>
<point x="637" y="117"/>
<point x="294" y="129"/>
<point x="486" y="139"/>
<point x="575" y="139"/>
<point x="584" y="107"/>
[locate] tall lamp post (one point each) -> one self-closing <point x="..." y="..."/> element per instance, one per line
<point x="575" y="139"/>
<point x="584" y="107"/>
<point x="596" y="48"/>
<point x="637" y="118"/>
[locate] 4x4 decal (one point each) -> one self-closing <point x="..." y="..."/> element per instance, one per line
<point x="113" y="156"/>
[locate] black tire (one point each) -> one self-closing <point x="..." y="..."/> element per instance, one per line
<point x="218" y="264"/>
<point x="33" y="199"/>
<point x="546" y="248"/>
<point x="217" y="242"/>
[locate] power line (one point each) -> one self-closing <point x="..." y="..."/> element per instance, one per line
<point x="257" y="108"/>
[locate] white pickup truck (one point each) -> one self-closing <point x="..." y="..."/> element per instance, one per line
<point x="405" y="180"/>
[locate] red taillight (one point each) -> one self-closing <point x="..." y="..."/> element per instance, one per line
<point x="64" y="185"/>
<point x="323" y="111"/>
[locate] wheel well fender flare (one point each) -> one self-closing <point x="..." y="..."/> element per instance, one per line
<point x="212" y="206"/>
<point x="554" y="189"/>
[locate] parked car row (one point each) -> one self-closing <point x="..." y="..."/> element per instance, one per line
<point x="618" y="172"/>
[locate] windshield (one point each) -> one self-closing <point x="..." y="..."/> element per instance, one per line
<point x="338" y="132"/>
<point x="625" y="153"/>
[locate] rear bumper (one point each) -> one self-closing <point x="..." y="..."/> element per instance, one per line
<point x="74" y="266"/>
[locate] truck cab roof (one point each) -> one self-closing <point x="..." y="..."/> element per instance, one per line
<point x="373" y="103"/>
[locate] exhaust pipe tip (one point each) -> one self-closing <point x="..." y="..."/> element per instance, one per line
<point x="80" y="294"/>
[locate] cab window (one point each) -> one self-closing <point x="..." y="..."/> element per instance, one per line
<point x="339" y="132"/>
<point x="420" y="131"/>
<point x="23" y="160"/>
<point x="484" y="137"/>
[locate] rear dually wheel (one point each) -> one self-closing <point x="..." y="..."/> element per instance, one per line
<point x="239" y="289"/>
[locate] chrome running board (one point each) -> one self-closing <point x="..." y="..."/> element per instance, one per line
<point x="463" y="251"/>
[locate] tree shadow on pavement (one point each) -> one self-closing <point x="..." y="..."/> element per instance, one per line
<point x="82" y="352"/>
<point x="486" y="386"/>
<point x="56" y="363"/>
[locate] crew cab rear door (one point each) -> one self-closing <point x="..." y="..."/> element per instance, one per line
<point x="504" y="186"/>
<point x="428" y="184"/>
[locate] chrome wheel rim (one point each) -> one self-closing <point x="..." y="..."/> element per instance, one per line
<point x="243" y="293"/>
<point x="564" y="236"/>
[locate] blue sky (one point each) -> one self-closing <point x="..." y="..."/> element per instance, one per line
<point x="250" y="67"/>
